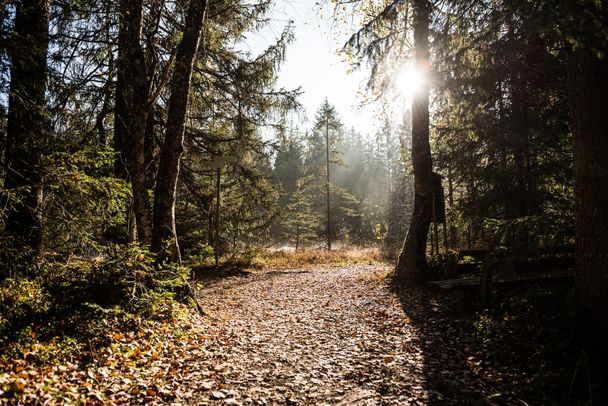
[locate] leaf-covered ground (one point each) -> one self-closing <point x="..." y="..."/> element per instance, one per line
<point x="329" y="335"/>
<point x="335" y="335"/>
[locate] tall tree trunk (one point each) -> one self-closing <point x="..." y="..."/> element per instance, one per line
<point x="452" y="221"/>
<point x="149" y="146"/>
<point x="588" y="92"/>
<point x="327" y="186"/>
<point x="173" y="146"/>
<point x="412" y="259"/>
<point x="131" y="113"/>
<point x="26" y="128"/>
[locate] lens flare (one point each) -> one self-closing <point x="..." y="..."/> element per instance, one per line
<point x="409" y="81"/>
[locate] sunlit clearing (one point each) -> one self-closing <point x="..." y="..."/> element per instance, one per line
<point x="409" y="81"/>
<point x="288" y="257"/>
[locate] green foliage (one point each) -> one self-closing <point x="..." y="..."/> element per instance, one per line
<point x="17" y="262"/>
<point x="526" y="234"/>
<point x="200" y="255"/>
<point x="369" y="185"/>
<point x="81" y="299"/>
<point x="83" y="200"/>
<point x="500" y="125"/>
<point x="300" y="222"/>
<point x="136" y="283"/>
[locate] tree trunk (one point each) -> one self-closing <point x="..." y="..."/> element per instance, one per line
<point x="452" y="221"/>
<point x="588" y="92"/>
<point x="173" y="146"/>
<point x="149" y="147"/>
<point x="412" y="259"/>
<point x="327" y="186"/>
<point x="26" y="128"/>
<point x="131" y="113"/>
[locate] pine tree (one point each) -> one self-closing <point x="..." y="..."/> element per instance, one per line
<point x="506" y="140"/>
<point x="300" y="218"/>
<point x="27" y="129"/>
<point x="232" y="100"/>
<point x="321" y="156"/>
<point x="132" y="107"/>
<point x="288" y="173"/>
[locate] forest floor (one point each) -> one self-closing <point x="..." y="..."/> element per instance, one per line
<point x="338" y="334"/>
<point x="329" y="335"/>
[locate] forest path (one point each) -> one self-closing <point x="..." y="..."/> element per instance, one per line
<point x="323" y="335"/>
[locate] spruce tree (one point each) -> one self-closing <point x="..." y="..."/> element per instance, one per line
<point x="27" y="129"/>
<point x="321" y="156"/>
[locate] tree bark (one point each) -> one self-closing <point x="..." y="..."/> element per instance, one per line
<point x="328" y="185"/>
<point x="412" y="259"/>
<point x="588" y="92"/>
<point x="26" y="126"/>
<point x="131" y="113"/>
<point x="173" y="146"/>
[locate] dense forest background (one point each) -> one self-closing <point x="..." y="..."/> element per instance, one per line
<point x="123" y="126"/>
<point x="499" y="130"/>
<point x="86" y="168"/>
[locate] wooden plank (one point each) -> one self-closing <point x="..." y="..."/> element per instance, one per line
<point x="516" y="279"/>
<point x="535" y="277"/>
<point x="456" y="284"/>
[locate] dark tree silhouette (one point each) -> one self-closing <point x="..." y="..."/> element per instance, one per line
<point x="412" y="259"/>
<point x="26" y="126"/>
<point x="588" y="89"/>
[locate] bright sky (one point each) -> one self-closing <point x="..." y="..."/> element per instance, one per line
<point x="312" y="62"/>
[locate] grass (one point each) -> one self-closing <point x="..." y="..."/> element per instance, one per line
<point x="336" y="257"/>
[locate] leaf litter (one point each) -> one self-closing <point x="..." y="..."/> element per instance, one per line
<point x="328" y="335"/>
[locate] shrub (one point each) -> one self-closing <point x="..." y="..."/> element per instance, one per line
<point x="82" y="298"/>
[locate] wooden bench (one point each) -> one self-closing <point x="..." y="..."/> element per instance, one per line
<point x="473" y="283"/>
<point x="547" y="265"/>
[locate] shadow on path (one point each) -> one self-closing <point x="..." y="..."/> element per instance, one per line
<point x="443" y="340"/>
<point x="517" y="353"/>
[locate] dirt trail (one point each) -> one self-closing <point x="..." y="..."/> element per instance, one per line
<point x="330" y="335"/>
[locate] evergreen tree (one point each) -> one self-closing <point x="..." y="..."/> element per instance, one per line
<point x="288" y="173"/>
<point x="322" y="153"/>
<point x="300" y="218"/>
<point x="132" y="107"/>
<point x="231" y="102"/>
<point x="289" y="163"/>
<point x="508" y="155"/>
<point x="27" y="131"/>
<point x="588" y="94"/>
<point x="384" y="43"/>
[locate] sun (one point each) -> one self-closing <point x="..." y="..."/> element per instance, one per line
<point x="409" y="81"/>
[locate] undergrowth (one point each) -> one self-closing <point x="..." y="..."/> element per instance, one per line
<point x="528" y="330"/>
<point x="66" y="311"/>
